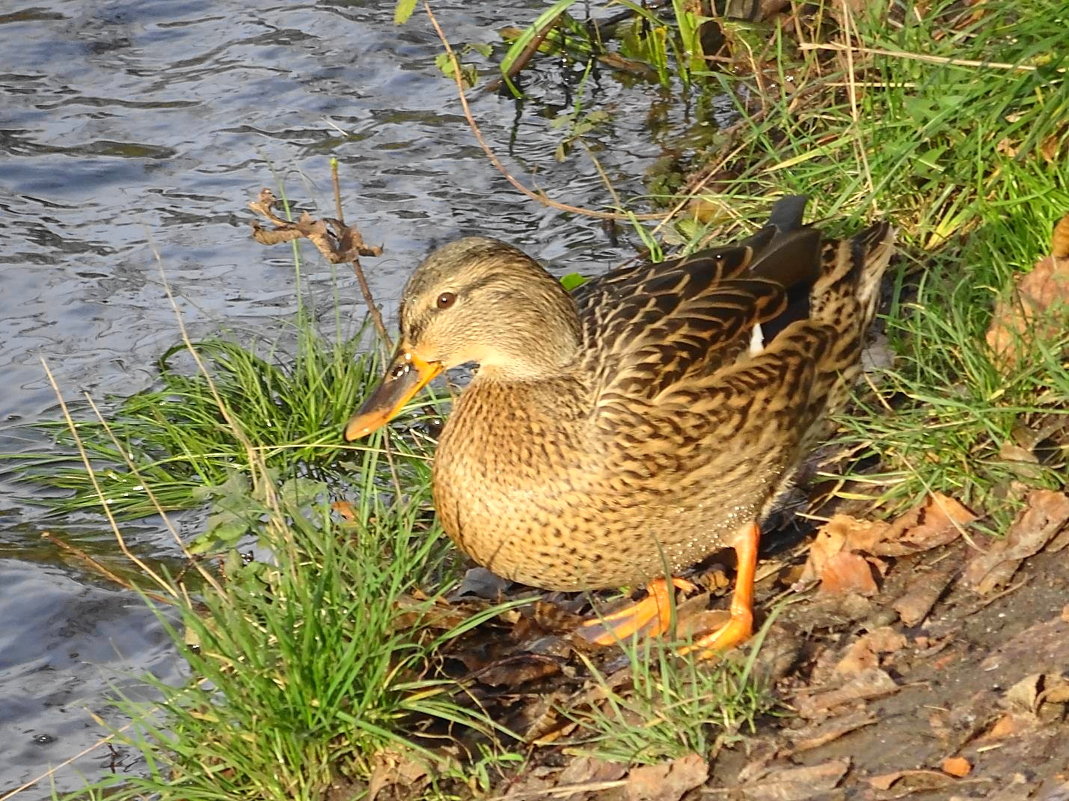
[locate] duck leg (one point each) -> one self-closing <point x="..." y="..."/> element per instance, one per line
<point x="740" y="626"/>
<point x="653" y="611"/>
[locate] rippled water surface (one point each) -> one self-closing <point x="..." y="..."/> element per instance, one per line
<point x="132" y="134"/>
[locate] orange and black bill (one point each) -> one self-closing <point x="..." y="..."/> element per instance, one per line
<point x="406" y="375"/>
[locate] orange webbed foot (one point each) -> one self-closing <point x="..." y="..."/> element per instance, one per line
<point x="740" y="626"/>
<point x="652" y="615"/>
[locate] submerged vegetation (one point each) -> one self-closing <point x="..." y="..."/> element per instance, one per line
<point x="339" y="661"/>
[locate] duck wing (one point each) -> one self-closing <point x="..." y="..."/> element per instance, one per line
<point x="652" y="327"/>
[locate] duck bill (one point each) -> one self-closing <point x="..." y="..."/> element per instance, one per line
<point x="406" y="375"/>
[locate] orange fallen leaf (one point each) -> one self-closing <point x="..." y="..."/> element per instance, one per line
<point x="1006" y="726"/>
<point x="832" y="556"/>
<point x="956" y="766"/>
<point x="847" y="573"/>
<point x="842" y="533"/>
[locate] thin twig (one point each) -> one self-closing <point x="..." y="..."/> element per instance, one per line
<point x="107" y="573"/>
<point x="361" y="279"/>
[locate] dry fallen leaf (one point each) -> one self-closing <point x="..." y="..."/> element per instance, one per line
<point x="396" y="769"/>
<point x="864" y="686"/>
<point x="834" y="557"/>
<point x="1047" y="512"/>
<point x="817" y="734"/>
<point x="1036" y="308"/>
<point x="841" y="534"/>
<point x="848" y="573"/>
<point x="796" y="784"/>
<point x="668" y="781"/>
<point x="938" y="521"/>
<point x="956" y="766"/>
<point x="864" y="653"/>
<point x="923" y="591"/>
<point x="587" y="769"/>
<point x="918" y="780"/>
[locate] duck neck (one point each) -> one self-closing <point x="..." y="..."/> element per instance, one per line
<point x="541" y="342"/>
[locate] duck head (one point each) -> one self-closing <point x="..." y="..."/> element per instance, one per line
<point x="480" y="301"/>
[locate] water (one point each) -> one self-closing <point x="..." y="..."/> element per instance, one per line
<point x="132" y="135"/>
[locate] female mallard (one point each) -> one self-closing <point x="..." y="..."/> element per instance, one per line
<point x="625" y="431"/>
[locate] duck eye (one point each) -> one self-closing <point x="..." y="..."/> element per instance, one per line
<point x="446" y="299"/>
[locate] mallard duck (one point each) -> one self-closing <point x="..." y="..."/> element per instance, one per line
<point x="619" y="434"/>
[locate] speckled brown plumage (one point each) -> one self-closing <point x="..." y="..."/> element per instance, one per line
<point x="631" y="428"/>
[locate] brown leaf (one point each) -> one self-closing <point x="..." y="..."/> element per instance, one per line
<point x="1006" y="726"/>
<point x="1024" y="695"/>
<point x="864" y="653"/>
<point x="923" y="591"/>
<point x="397" y="769"/>
<point x="938" y="521"/>
<point x="796" y="784"/>
<point x="668" y="781"/>
<point x="1035" y="308"/>
<point x="518" y="669"/>
<point x="818" y="734"/>
<point x="1047" y="512"/>
<point x="956" y="766"/>
<point x="918" y="780"/>
<point x="586" y="769"/>
<point x="847" y="573"/>
<point x="862" y="686"/>
<point x="840" y="534"/>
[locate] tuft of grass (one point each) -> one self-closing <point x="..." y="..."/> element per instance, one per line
<point x="664" y="706"/>
<point x="305" y="670"/>
<point x="192" y="439"/>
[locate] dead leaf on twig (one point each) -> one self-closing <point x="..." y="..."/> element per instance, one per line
<point x="337" y="241"/>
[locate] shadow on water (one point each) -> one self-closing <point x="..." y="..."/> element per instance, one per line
<point x="131" y="130"/>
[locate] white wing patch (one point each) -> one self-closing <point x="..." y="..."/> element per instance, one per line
<point x="757" y="340"/>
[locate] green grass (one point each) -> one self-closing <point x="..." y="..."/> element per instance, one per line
<point x="664" y="706"/>
<point x="304" y="671"/>
<point x="189" y="433"/>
